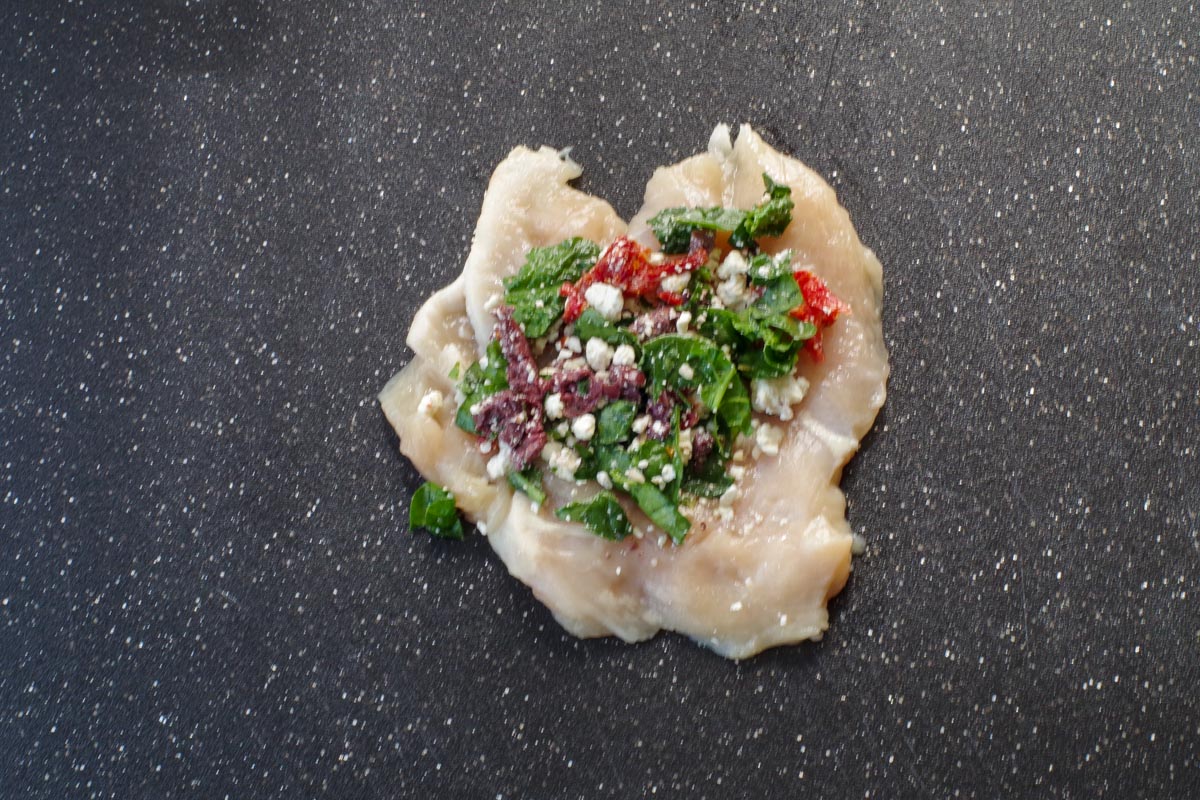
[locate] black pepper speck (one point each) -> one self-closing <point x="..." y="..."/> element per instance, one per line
<point x="218" y="217"/>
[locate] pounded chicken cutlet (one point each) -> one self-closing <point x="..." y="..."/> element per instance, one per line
<point x="755" y="575"/>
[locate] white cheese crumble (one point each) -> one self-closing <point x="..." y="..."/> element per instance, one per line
<point x="624" y="356"/>
<point x="563" y="461"/>
<point x="584" y="427"/>
<point x="734" y="264"/>
<point x="640" y="424"/>
<point x="554" y="406"/>
<point x="681" y="324"/>
<point x="599" y="354"/>
<point x="574" y="345"/>
<point x="676" y="282"/>
<point x="603" y="479"/>
<point x="685" y="445"/>
<point x="606" y="299"/>
<point x="776" y="396"/>
<point x="768" y="438"/>
<point x="733" y="292"/>
<point x="497" y="465"/>
<point x="635" y="475"/>
<point x="731" y="495"/>
<point x="686" y="372"/>
<point x="431" y="403"/>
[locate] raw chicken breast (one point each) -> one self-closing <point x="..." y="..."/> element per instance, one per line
<point x="737" y="585"/>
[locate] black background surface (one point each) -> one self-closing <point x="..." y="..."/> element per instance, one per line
<point x="218" y="217"/>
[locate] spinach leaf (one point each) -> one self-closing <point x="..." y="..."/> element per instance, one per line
<point x="709" y="479"/>
<point x="533" y="292"/>
<point x="765" y="267"/>
<point x="615" y="422"/>
<point x="769" y="218"/>
<point x="602" y="515"/>
<point x="674" y="226"/>
<point x="432" y="508"/>
<point x="591" y="325"/>
<point x="711" y="369"/>
<point x="529" y="481"/>
<point x="481" y="382"/>
<point x="661" y="511"/>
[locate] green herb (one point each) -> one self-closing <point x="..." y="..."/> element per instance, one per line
<point x="533" y="292"/>
<point x="661" y="511"/>
<point x="454" y="371"/>
<point x="713" y="374"/>
<point x="709" y="479"/>
<point x="529" y="481"/>
<point x="659" y="504"/>
<point x="591" y="325"/>
<point x="432" y="508"/>
<point x="480" y="383"/>
<point x="769" y="218"/>
<point x="674" y="226"/>
<point x="615" y="422"/>
<point x="765" y="267"/>
<point x="602" y="515"/>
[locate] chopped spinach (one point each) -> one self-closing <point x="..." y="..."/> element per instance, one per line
<point x="480" y="383"/>
<point x="529" y="481"/>
<point x="534" y="291"/>
<point x="615" y="422"/>
<point x="674" y="226"/>
<point x="602" y="515"/>
<point x="432" y="508"/>
<point x="591" y="325"/>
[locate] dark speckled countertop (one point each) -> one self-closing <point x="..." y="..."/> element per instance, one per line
<point x="217" y="218"/>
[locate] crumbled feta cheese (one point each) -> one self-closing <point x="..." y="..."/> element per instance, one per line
<point x="574" y="363"/>
<point x="635" y="475"/>
<point x="681" y="324"/>
<point x="574" y="345"/>
<point x="624" y="356"/>
<point x="676" y="282"/>
<point x="734" y="264"/>
<point x="554" y="406"/>
<point x="603" y="479"/>
<point x="657" y="258"/>
<point x="776" y="396"/>
<point x="431" y="403"/>
<point x="584" y="427"/>
<point x="686" y="372"/>
<point x="640" y="424"/>
<point x="497" y="465"/>
<point x="606" y="299"/>
<point x="737" y="472"/>
<point x="668" y="473"/>
<point x="563" y="428"/>
<point x="599" y="354"/>
<point x="731" y="495"/>
<point x="733" y="291"/>
<point x="768" y="438"/>
<point x="685" y="445"/>
<point x="563" y="461"/>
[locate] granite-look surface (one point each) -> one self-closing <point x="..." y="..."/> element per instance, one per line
<point x="217" y="218"/>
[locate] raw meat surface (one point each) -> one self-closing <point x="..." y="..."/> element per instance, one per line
<point x="738" y="586"/>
